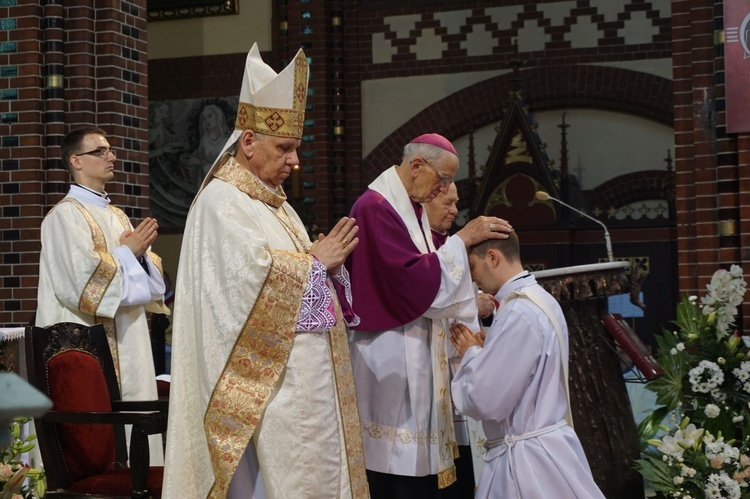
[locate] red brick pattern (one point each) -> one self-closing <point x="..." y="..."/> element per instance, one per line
<point x="21" y="161"/>
<point x="78" y="65"/>
<point x="712" y="167"/>
<point x="504" y="29"/>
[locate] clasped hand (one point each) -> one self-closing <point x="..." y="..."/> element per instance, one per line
<point x="140" y="238"/>
<point x="463" y="339"/>
<point x="333" y="249"/>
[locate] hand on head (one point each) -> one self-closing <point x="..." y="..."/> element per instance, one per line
<point x="483" y="228"/>
<point x="139" y="239"/>
<point x="462" y="338"/>
<point x="333" y="249"/>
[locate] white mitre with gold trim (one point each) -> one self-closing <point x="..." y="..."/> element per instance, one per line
<point x="270" y="103"/>
<point x="273" y="104"/>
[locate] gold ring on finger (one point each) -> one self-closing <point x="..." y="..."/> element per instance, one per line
<point x="344" y="242"/>
<point x="492" y="227"/>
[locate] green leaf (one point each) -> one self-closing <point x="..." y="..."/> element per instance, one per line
<point x="649" y="427"/>
<point x="668" y="388"/>
<point x="657" y="472"/>
<point x="26" y="448"/>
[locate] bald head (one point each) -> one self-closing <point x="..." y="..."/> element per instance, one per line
<point x="442" y="211"/>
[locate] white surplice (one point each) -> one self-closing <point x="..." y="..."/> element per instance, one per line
<point x="393" y="369"/>
<point x="86" y="277"/>
<point x="513" y="385"/>
<point x="243" y="422"/>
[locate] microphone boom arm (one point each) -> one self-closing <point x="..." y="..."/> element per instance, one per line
<point x="607" y="239"/>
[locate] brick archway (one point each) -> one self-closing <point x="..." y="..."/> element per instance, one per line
<point x="546" y="88"/>
<point x="632" y="187"/>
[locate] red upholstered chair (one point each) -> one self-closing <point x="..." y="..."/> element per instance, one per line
<point x="82" y="439"/>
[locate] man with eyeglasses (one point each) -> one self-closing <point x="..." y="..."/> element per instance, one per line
<point x="401" y="289"/>
<point x="96" y="268"/>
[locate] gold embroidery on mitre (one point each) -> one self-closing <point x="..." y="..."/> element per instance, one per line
<point x="269" y="120"/>
<point x="279" y="122"/>
<point x="254" y="366"/>
<point x="300" y="82"/>
<point x="242" y="118"/>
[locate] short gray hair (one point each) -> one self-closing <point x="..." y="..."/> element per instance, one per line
<point x="420" y="150"/>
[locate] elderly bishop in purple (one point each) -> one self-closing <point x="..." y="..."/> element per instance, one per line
<point x="401" y="288"/>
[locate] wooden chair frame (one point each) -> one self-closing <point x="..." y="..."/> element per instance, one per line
<point x="147" y="417"/>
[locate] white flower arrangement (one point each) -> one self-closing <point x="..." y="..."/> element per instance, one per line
<point x="706" y="383"/>
<point x="691" y="462"/>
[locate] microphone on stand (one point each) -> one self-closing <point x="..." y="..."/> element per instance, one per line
<point x="543" y="196"/>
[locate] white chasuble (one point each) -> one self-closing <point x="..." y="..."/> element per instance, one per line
<point x="256" y="409"/>
<point x="81" y="280"/>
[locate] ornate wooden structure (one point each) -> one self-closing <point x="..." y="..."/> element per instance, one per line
<point x="601" y="409"/>
<point x="10" y="340"/>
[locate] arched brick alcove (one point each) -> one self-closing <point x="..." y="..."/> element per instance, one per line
<point x="632" y="187"/>
<point x="544" y="88"/>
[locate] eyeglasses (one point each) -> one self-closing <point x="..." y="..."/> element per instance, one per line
<point x="444" y="179"/>
<point x="102" y="152"/>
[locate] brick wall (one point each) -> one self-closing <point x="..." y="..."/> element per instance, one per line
<point x="62" y="67"/>
<point x="707" y="161"/>
<point x="712" y="166"/>
<point x="21" y="157"/>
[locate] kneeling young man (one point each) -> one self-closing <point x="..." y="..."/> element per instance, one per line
<point x="515" y="382"/>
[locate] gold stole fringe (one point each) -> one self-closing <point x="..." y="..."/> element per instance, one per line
<point x="447" y="477"/>
<point x="254" y="366"/>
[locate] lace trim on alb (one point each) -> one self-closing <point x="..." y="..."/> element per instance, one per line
<point x="317" y="312"/>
